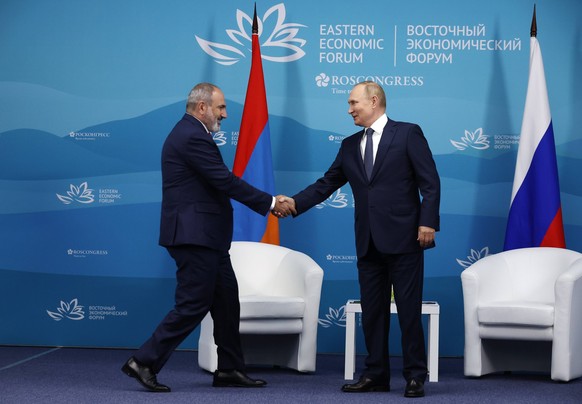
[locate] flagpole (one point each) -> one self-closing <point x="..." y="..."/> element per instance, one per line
<point x="534" y="26"/>
<point x="256" y="24"/>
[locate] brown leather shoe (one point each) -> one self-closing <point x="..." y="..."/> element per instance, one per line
<point x="364" y="385"/>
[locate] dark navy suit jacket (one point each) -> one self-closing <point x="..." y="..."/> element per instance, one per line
<point x="388" y="206"/>
<point x="197" y="187"/>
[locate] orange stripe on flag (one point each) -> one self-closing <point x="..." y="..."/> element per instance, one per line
<point x="271" y="235"/>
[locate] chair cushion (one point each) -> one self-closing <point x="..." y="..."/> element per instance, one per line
<point x="516" y="313"/>
<point x="253" y="306"/>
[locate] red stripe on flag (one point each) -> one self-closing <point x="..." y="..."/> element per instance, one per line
<point x="255" y="114"/>
<point x="555" y="235"/>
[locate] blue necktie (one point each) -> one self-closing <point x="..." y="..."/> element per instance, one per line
<point x="369" y="153"/>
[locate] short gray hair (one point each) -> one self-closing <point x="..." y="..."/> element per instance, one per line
<point x="202" y="92"/>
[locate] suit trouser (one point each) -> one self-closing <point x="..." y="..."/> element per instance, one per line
<point x="205" y="282"/>
<point x="377" y="273"/>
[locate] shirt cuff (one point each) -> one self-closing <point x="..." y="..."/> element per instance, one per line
<point x="273" y="203"/>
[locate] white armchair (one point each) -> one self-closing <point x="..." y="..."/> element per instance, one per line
<point x="523" y="312"/>
<point x="279" y="292"/>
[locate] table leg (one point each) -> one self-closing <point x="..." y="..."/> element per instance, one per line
<point x="350" y="356"/>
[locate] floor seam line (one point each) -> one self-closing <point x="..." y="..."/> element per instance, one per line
<point x="28" y="359"/>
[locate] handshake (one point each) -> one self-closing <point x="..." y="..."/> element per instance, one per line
<point x="284" y="206"/>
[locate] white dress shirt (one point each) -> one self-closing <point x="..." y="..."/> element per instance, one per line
<point x="378" y="128"/>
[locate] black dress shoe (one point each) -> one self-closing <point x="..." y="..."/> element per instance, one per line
<point x="364" y="385"/>
<point x="414" y="388"/>
<point x="145" y="375"/>
<point x="235" y="378"/>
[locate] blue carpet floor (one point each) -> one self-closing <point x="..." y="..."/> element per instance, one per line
<point x="71" y="375"/>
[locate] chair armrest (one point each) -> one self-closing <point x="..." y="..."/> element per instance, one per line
<point x="567" y="345"/>
<point x="568" y="306"/>
<point x="470" y="286"/>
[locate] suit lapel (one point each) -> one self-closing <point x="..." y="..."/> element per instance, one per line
<point x="385" y="142"/>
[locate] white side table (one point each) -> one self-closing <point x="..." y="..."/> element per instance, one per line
<point x="432" y="309"/>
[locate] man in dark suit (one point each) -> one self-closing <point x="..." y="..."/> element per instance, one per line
<point x="386" y="165"/>
<point x="196" y="228"/>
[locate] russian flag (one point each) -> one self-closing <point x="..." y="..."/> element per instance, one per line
<point x="253" y="160"/>
<point x="535" y="214"/>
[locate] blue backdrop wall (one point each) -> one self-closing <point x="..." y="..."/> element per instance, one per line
<point x="89" y="90"/>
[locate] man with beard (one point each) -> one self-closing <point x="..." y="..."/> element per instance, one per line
<point x="196" y="229"/>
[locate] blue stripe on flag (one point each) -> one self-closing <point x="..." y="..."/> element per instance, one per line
<point x="249" y="225"/>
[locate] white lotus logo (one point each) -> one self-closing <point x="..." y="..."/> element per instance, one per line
<point x="81" y="194"/>
<point x="336" y="200"/>
<point x="219" y="138"/>
<point x="334" y="317"/>
<point x="322" y="80"/>
<point x="284" y="35"/>
<point x="476" y="140"/>
<point x="474" y="257"/>
<point x="71" y="310"/>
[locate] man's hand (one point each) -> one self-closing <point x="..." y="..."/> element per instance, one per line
<point x="284" y="206"/>
<point x="425" y="236"/>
